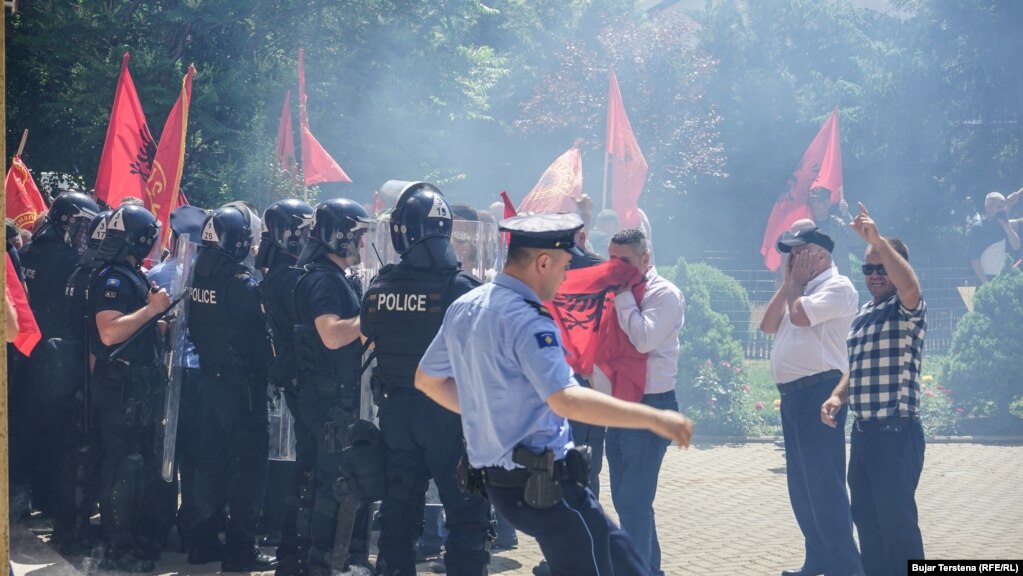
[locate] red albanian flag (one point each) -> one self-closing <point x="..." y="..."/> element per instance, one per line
<point x="163" y="189"/>
<point x="821" y="167"/>
<point x="317" y="165"/>
<point x="129" y="149"/>
<point x="628" y="167"/>
<point x="584" y="311"/>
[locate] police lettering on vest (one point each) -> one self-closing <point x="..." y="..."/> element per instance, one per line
<point x="392" y="302"/>
<point x="204" y="295"/>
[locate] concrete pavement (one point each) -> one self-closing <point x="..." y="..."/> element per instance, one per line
<point x="723" y="509"/>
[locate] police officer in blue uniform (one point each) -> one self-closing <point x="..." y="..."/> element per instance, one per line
<point x="226" y="321"/>
<point x="287" y="224"/>
<point x="53" y="370"/>
<point x="329" y="360"/>
<point x="403" y="310"/>
<point x="128" y="392"/>
<point x="498" y="361"/>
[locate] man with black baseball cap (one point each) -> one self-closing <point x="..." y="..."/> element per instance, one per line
<point x="810" y="316"/>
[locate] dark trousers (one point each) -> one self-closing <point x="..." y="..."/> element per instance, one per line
<point x="232" y="461"/>
<point x="424" y="441"/>
<point x="885" y="462"/>
<point x="294" y="549"/>
<point x="592" y="436"/>
<point x="815" y="470"/>
<point x="634" y="460"/>
<point x="575" y="535"/>
<point x="325" y="409"/>
<point x="187" y="447"/>
<point x="136" y="505"/>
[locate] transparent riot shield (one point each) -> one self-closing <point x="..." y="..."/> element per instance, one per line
<point x="178" y="342"/>
<point x="282" y="430"/>
<point x="477" y="246"/>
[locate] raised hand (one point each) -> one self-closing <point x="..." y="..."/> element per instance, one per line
<point x="864" y="225"/>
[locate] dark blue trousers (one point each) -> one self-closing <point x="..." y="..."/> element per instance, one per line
<point x="575" y="535"/>
<point x="815" y="465"/>
<point x="885" y="462"/>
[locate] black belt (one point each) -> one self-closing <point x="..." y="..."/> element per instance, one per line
<point x="660" y="395"/>
<point x="889" y="424"/>
<point x="516" y="478"/>
<point x="808" y="381"/>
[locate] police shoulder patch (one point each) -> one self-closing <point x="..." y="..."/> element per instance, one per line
<point x="546" y="339"/>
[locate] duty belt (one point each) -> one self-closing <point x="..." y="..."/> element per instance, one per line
<point x="517" y="477"/>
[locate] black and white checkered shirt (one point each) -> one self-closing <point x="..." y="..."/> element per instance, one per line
<point x="886" y="343"/>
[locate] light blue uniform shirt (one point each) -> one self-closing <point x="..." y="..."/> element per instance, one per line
<point x="506" y="359"/>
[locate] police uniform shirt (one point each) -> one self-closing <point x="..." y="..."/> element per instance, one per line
<point x="320" y="295"/>
<point x="47" y="265"/>
<point x="412" y="302"/>
<point x="244" y="311"/>
<point x="113" y="290"/>
<point x="506" y="359"/>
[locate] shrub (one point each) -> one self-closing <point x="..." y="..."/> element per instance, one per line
<point x="984" y="359"/>
<point x="711" y="378"/>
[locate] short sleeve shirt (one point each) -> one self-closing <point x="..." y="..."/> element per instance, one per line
<point x="506" y="359"/>
<point x="886" y="346"/>
<point x="830" y="302"/>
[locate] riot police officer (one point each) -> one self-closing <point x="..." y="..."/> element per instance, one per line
<point x="50" y="375"/>
<point x="128" y="391"/>
<point x="287" y="225"/>
<point x="403" y="309"/>
<point x="226" y="322"/>
<point x="329" y="357"/>
<point x="77" y="491"/>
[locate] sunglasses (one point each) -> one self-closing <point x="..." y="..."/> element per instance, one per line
<point x="869" y="269"/>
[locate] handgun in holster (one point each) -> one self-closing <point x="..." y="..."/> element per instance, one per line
<point x="470" y="480"/>
<point x="542" y="489"/>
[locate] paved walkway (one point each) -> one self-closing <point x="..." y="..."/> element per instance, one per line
<point x="723" y="509"/>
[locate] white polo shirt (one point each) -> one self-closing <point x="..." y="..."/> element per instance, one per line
<point x="830" y="302"/>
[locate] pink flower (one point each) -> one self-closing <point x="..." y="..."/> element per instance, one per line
<point x="738" y="371"/>
<point x="708" y="364"/>
<point x="929" y="393"/>
<point x="726" y="364"/>
<point x="745" y="388"/>
<point x="960" y="410"/>
<point x="759" y="405"/>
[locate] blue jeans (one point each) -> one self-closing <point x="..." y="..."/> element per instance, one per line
<point x="815" y="470"/>
<point x="885" y="462"/>
<point x="634" y="461"/>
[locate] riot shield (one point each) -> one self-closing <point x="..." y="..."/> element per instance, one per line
<point x="282" y="430"/>
<point x="177" y="343"/>
<point x="478" y="247"/>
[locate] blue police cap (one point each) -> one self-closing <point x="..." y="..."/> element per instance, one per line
<point x="544" y="231"/>
<point x="188" y="220"/>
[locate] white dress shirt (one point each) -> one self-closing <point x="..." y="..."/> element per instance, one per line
<point x="653" y="328"/>
<point x="831" y="303"/>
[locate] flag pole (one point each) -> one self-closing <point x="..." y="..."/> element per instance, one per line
<point x="603" y="201"/>
<point x="21" y="147"/>
<point x="5" y="535"/>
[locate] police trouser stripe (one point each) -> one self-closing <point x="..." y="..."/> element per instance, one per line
<point x="593" y="544"/>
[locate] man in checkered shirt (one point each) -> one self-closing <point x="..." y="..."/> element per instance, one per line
<point x="883" y="390"/>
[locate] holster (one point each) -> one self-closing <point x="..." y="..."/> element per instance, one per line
<point x="335" y="431"/>
<point x="579" y="464"/>
<point x="542" y="489"/>
<point x="470" y="480"/>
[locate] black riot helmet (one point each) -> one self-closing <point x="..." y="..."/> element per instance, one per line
<point x="227" y="229"/>
<point x="69" y="217"/>
<point x="131" y="231"/>
<point x="420" y="213"/>
<point x="288" y="223"/>
<point x="338" y="225"/>
<point x="97" y="232"/>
